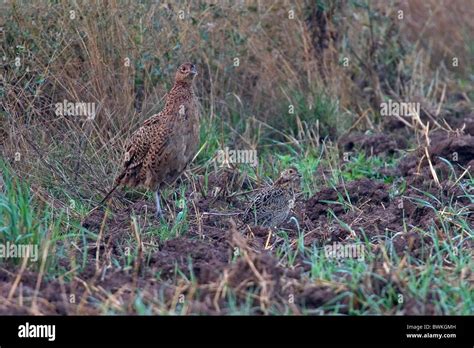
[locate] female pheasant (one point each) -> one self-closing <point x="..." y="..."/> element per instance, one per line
<point x="271" y="206"/>
<point x="159" y="151"/>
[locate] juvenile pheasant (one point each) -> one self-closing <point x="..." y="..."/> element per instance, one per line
<point x="159" y="151"/>
<point x="271" y="206"/>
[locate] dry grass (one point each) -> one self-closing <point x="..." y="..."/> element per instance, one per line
<point x="280" y="59"/>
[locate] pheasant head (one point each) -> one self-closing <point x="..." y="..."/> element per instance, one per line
<point x="289" y="178"/>
<point x="186" y="73"/>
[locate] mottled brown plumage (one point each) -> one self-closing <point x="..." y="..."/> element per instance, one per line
<point x="272" y="205"/>
<point x="159" y="151"/>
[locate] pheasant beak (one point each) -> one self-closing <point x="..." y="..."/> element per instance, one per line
<point x="193" y="70"/>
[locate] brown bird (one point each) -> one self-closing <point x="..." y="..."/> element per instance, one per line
<point x="160" y="150"/>
<point x="272" y="205"/>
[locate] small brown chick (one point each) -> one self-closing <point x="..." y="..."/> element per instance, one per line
<point x="160" y="150"/>
<point x="271" y="206"/>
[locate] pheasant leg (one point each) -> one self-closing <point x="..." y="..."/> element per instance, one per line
<point x="159" y="212"/>
<point x="267" y="243"/>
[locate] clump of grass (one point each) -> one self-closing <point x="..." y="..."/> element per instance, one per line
<point x="363" y="166"/>
<point x="316" y="114"/>
<point x="45" y="229"/>
<point x="24" y="224"/>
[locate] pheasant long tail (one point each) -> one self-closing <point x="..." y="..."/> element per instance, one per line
<point x="107" y="196"/>
<point x="117" y="184"/>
